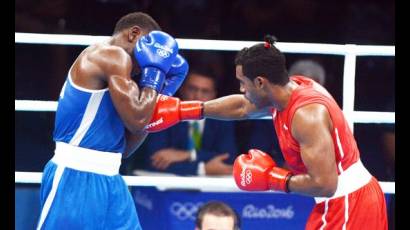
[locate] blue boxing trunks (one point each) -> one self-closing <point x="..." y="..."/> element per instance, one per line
<point x="82" y="189"/>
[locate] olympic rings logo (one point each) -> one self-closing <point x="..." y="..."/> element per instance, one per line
<point x="246" y="177"/>
<point x="163" y="53"/>
<point x="163" y="98"/>
<point x="184" y="211"/>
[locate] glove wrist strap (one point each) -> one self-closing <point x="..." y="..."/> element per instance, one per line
<point x="153" y="78"/>
<point x="279" y="179"/>
<point x="192" y="110"/>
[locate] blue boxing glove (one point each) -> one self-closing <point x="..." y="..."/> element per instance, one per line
<point x="155" y="53"/>
<point x="175" y="76"/>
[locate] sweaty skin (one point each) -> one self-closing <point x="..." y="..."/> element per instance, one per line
<point x="111" y="65"/>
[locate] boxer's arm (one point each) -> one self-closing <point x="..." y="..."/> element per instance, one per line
<point x="169" y="111"/>
<point x="312" y="127"/>
<point x="233" y="107"/>
<point x="134" y="106"/>
<point x="133" y="142"/>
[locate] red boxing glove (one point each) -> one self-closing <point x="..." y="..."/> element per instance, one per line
<point x="257" y="171"/>
<point x="171" y="110"/>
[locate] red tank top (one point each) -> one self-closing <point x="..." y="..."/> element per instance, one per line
<point x="309" y="92"/>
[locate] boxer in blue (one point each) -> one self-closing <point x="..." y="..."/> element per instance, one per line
<point x="101" y="116"/>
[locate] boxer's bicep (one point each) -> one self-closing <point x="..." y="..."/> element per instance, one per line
<point x="311" y="128"/>
<point x="133" y="105"/>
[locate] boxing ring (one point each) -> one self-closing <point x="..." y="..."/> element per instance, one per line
<point x="216" y="184"/>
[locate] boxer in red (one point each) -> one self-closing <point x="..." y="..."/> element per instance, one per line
<point x="313" y="134"/>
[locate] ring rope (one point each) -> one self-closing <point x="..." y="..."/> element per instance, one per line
<point x="209" y="184"/>
<point x="358" y="116"/>
<point x="221" y="45"/>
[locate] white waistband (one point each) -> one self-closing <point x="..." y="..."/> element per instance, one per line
<point x="106" y="163"/>
<point x="350" y="180"/>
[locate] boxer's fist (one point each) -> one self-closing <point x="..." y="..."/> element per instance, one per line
<point x="155" y="53"/>
<point x="257" y="171"/>
<point x="175" y="76"/>
<point x="170" y="110"/>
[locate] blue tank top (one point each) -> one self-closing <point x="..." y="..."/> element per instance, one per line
<point x="87" y="118"/>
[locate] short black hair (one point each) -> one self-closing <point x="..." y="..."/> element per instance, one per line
<point x="264" y="59"/>
<point x="143" y="20"/>
<point x="216" y="208"/>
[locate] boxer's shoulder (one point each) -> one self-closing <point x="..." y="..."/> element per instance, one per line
<point x="107" y="53"/>
<point x="108" y="57"/>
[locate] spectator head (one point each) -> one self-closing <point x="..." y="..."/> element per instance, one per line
<point x="309" y="68"/>
<point x="216" y="215"/>
<point x="199" y="85"/>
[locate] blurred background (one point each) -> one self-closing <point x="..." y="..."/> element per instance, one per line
<point x="40" y="70"/>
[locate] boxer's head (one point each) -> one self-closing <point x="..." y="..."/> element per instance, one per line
<point x="132" y="27"/>
<point x="129" y="29"/>
<point x="258" y="68"/>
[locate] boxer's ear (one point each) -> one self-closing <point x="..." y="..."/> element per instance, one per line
<point x="134" y="33"/>
<point x="260" y="82"/>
